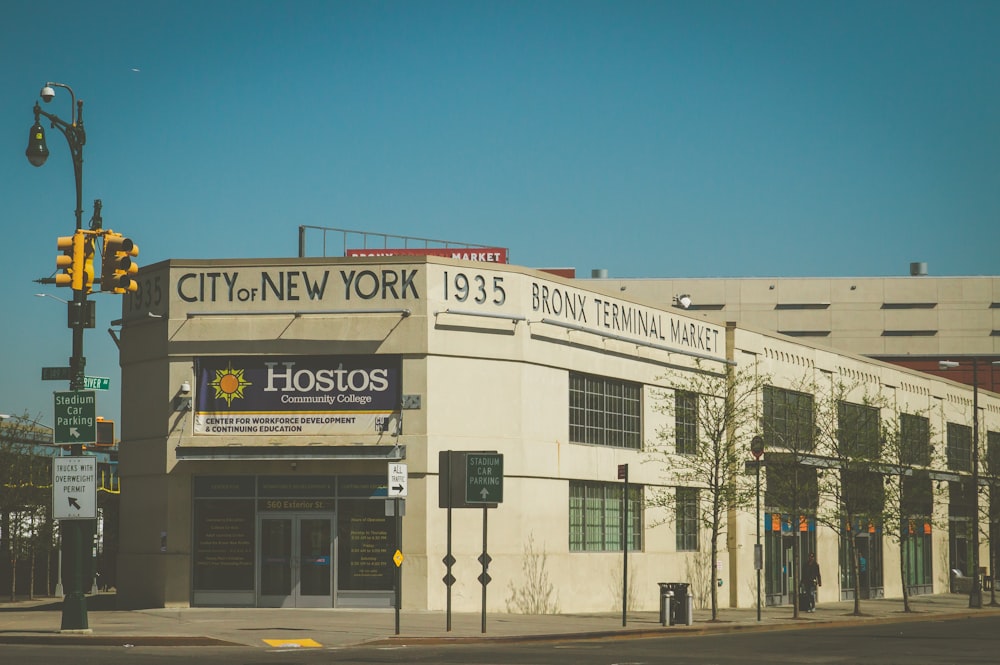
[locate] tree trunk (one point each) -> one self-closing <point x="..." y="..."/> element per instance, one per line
<point x="12" y="543"/>
<point x="993" y="575"/>
<point x="857" y="573"/>
<point x="796" y="574"/>
<point x="904" y="537"/>
<point x="32" y="549"/>
<point x="711" y="578"/>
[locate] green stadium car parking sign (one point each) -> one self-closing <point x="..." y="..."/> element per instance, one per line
<point x="75" y="417"/>
<point x="483" y="478"/>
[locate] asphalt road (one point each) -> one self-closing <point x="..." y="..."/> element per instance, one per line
<point x="940" y="642"/>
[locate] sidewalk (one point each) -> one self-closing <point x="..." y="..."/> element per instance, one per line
<point x="38" y="621"/>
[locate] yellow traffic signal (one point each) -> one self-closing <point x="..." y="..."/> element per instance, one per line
<point x="72" y="260"/>
<point x="87" y="274"/>
<point x="105" y="432"/>
<point x="117" y="266"/>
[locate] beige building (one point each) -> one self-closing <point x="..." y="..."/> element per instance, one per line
<point x="279" y="415"/>
<point x="914" y="320"/>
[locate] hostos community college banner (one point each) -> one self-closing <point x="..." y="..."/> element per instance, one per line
<point x="289" y="395"/>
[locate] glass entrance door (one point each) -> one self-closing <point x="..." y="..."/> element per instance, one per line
<point x="295" y="561"/>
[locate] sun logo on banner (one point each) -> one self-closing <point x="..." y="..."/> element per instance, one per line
<point x="229" y="384"/>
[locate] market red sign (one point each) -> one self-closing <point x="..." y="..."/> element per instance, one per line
<point x="485" y="254"/>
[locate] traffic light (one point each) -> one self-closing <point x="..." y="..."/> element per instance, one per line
<point x="72" y="260"/>
<point x="105" y="432"/>
<point x="117" y="266"/>
<point x="87" y="274"/>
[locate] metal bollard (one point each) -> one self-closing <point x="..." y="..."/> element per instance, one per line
<point x="689" y="601"/>
<point x="666" y="598"/>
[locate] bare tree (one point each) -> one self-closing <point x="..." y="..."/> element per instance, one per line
<point x="715" y="415"/>
<point x="24" y="490"/>
<point x="789" y="431"/>
<point x="907" y="456"/>
<point x="848" y="443"/>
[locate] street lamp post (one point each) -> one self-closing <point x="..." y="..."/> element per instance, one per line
<point x="74" y="613"/>
<point x="757" y="450"/>
<point x="976" y="593"/>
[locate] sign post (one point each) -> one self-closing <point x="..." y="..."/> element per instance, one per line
<point x="469" y="479"/>
<point x="484" y="485"/>
<point x="396" y="488"/>
<point x="623" y="475"/>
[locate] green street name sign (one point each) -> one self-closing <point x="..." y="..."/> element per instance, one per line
<point x="483" y="478"/>
<point x="75" y="417"/>
<point x="96" y="382"/>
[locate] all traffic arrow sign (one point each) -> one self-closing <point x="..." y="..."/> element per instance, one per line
<point x="397" y="480"/>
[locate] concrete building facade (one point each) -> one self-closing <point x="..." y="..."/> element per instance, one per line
<point x="266" y="403"/>
<point x="911" y="320"/>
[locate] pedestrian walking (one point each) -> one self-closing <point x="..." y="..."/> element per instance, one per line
<point x="811" y="581"/>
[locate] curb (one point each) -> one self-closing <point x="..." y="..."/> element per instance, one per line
<point x="673" y="631"/>
<point x="116" y="640"/>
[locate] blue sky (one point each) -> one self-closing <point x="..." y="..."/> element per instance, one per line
<point x="647" y="138"/>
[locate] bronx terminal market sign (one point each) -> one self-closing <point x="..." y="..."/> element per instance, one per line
<point x="426" y="284"/>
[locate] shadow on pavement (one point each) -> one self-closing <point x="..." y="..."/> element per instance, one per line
<point x="102" y="602"/>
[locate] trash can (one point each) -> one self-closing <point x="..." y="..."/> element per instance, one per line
<point x="666" y="599"/>
<point x="680" y="602"/>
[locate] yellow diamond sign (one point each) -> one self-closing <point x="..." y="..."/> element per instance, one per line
<point x="398" y="558"/>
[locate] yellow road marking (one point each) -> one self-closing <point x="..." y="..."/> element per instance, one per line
<point x="293" y="643"/>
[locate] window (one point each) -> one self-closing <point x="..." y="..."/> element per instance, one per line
<point x="915" y="440"/>
<point x="917" y="505"/>
<point x="991" y="464"/>
<point x="605" y="412"/>
<point x="595" y="517"/>
<point x="788" y="419"/>
<point x="687" y="519"/>
<point x="858" y="430"/>
<point x="959" y="447"/>
<point x="686" y="422"/>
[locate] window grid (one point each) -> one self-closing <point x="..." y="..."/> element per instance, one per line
<point x="595" y="517"/>
<point x="788" y="419"/>
<point x="915" y="440"/>
<point x="604" y="412"/>
<point x="687" y="519"/>
<point x="959" y="447"/>
<point x="686" y="422"/>
<point x="858" y="430"/>
<point x="992" y="461"/>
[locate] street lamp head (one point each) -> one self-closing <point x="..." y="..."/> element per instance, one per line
<point x="37" y="152"/>
<point x="47" y="94"/>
